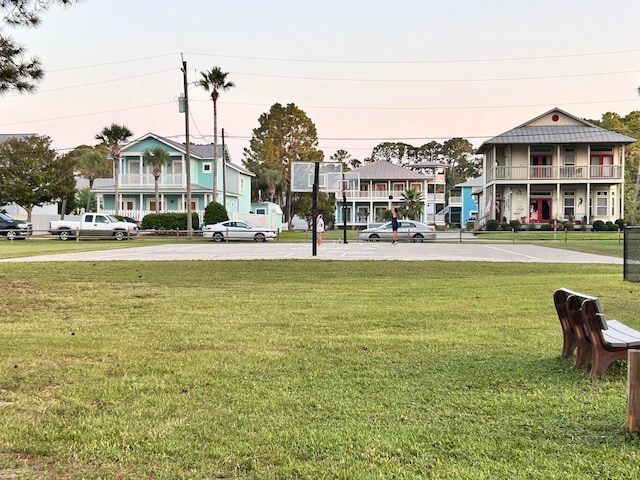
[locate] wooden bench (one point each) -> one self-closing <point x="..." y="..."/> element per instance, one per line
<point x="611" y="338"/>
<point x="571" y="341"/>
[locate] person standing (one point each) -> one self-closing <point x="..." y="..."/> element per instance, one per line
<point x="319" y="228"/>
<point x="394" y="225"/>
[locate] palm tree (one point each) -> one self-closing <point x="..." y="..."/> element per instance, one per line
<point x="412" y="203"/>
<point x="215" y="80"/>
<point x="91" y="163"/>
<point x="157" y="157"/>
<point x="272" y="178"/>
<point x="111" y="137"/>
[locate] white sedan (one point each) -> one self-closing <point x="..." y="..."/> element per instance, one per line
<point x="407" y="230"/>
<point x="237" y="230"/>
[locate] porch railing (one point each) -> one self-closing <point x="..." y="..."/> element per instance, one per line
<point x="553" y="172"/>
<point x="147" y="179"/>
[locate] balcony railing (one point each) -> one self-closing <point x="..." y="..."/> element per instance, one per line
<point x="378" y="195"/>
<point x="534" y="172"/>
<point x="147" y="179"/>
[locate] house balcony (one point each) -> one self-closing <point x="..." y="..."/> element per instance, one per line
<point x="148" y="180"/>
<point x="383" y="195"/>
<point x="455" y="200"/>
<point x="555" y="173"/>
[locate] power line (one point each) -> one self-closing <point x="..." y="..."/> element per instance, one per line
<point x="398" y="62"/>
<point x="365" y="62"/>
<point x="446" y="80"/>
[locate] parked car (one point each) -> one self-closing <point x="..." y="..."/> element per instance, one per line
<point x="13" y="229"/>
<point x="237" y="230"/>
<point x="132" y="220"/>
<point x="407" y="230"/>
<point x="93" y="225"/>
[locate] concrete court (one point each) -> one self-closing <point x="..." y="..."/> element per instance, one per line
<point x="471" y="251"/>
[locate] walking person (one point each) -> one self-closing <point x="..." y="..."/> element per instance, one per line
<point x="319" y="228"/>
<point x="394" y="225"/>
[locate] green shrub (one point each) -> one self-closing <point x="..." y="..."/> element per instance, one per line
<point x="599" y="226"/>
<point x="493" y="225"/>
<point x="215" y="213"/>
<point x="515" y="225"/>
<point x="532" y="226"/>
<point x="612" y="227"/>
<point x="569" y="226"/>
<point x="559" y="226"/>
<point x="546" y="227"/>
<point x="168" y="221"/>
<point x="620" y="223"/>
<point x="505" y="227"/>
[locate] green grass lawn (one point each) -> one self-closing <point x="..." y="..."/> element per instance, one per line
<point x="305" y="369"/>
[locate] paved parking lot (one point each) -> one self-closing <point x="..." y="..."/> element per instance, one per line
<point x="334" y="251"/>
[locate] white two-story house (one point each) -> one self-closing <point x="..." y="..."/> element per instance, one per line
<point x="137" y="183"/>
<point x="374" y="186"/>
<point x="553" y="167"/>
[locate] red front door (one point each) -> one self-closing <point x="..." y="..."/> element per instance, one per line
<point x="540" y="210"/>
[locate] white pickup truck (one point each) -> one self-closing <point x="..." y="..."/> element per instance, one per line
<point x="93" y="225"/>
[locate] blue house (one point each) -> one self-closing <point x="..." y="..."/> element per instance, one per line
<point x="462" y="205"/>
<point x="137" y="184"/>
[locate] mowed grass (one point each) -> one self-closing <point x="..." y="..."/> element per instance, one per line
<point x="304" y="369"/>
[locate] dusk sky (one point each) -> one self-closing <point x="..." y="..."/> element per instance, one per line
<point x="363" y="71"/>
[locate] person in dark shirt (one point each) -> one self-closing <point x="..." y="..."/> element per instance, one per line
<point x="394" y="225"/>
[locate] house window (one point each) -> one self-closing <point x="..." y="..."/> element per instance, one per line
<point x="206" y="167"/>
<point x="569" y="156"/>
<point x="363" y="215"/>
<point x="128" y="203"/>
<point x="398" y="188"/>
<point x="194" y="205"/>
<point x="380" y="213"/>
<point x="569" y="204"/>
<point x="602" y="203"/>
<point x="346" y="213"/>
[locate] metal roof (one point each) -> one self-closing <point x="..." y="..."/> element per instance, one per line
<point x="19" y="136"/>
<point x="569" y="134"/>
<point x="385" y="170"/>
<point x="579" y="132"/>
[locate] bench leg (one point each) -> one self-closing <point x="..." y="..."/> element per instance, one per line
<point x="583" y="354"/>
<point x="569" y="344"/>
<point x="603" y="358"/>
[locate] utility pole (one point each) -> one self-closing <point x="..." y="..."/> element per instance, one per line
<point x="187" y="148"/>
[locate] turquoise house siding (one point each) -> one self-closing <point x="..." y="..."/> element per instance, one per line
<point x="137" y="184"/>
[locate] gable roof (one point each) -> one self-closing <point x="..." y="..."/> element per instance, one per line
<point x="385" y="170"/>
<point x="554" y="127"/>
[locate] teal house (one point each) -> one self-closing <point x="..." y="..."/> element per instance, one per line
<point x="136" y="183"/>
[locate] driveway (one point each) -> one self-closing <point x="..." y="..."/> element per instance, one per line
<point x="471" y="251"/>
